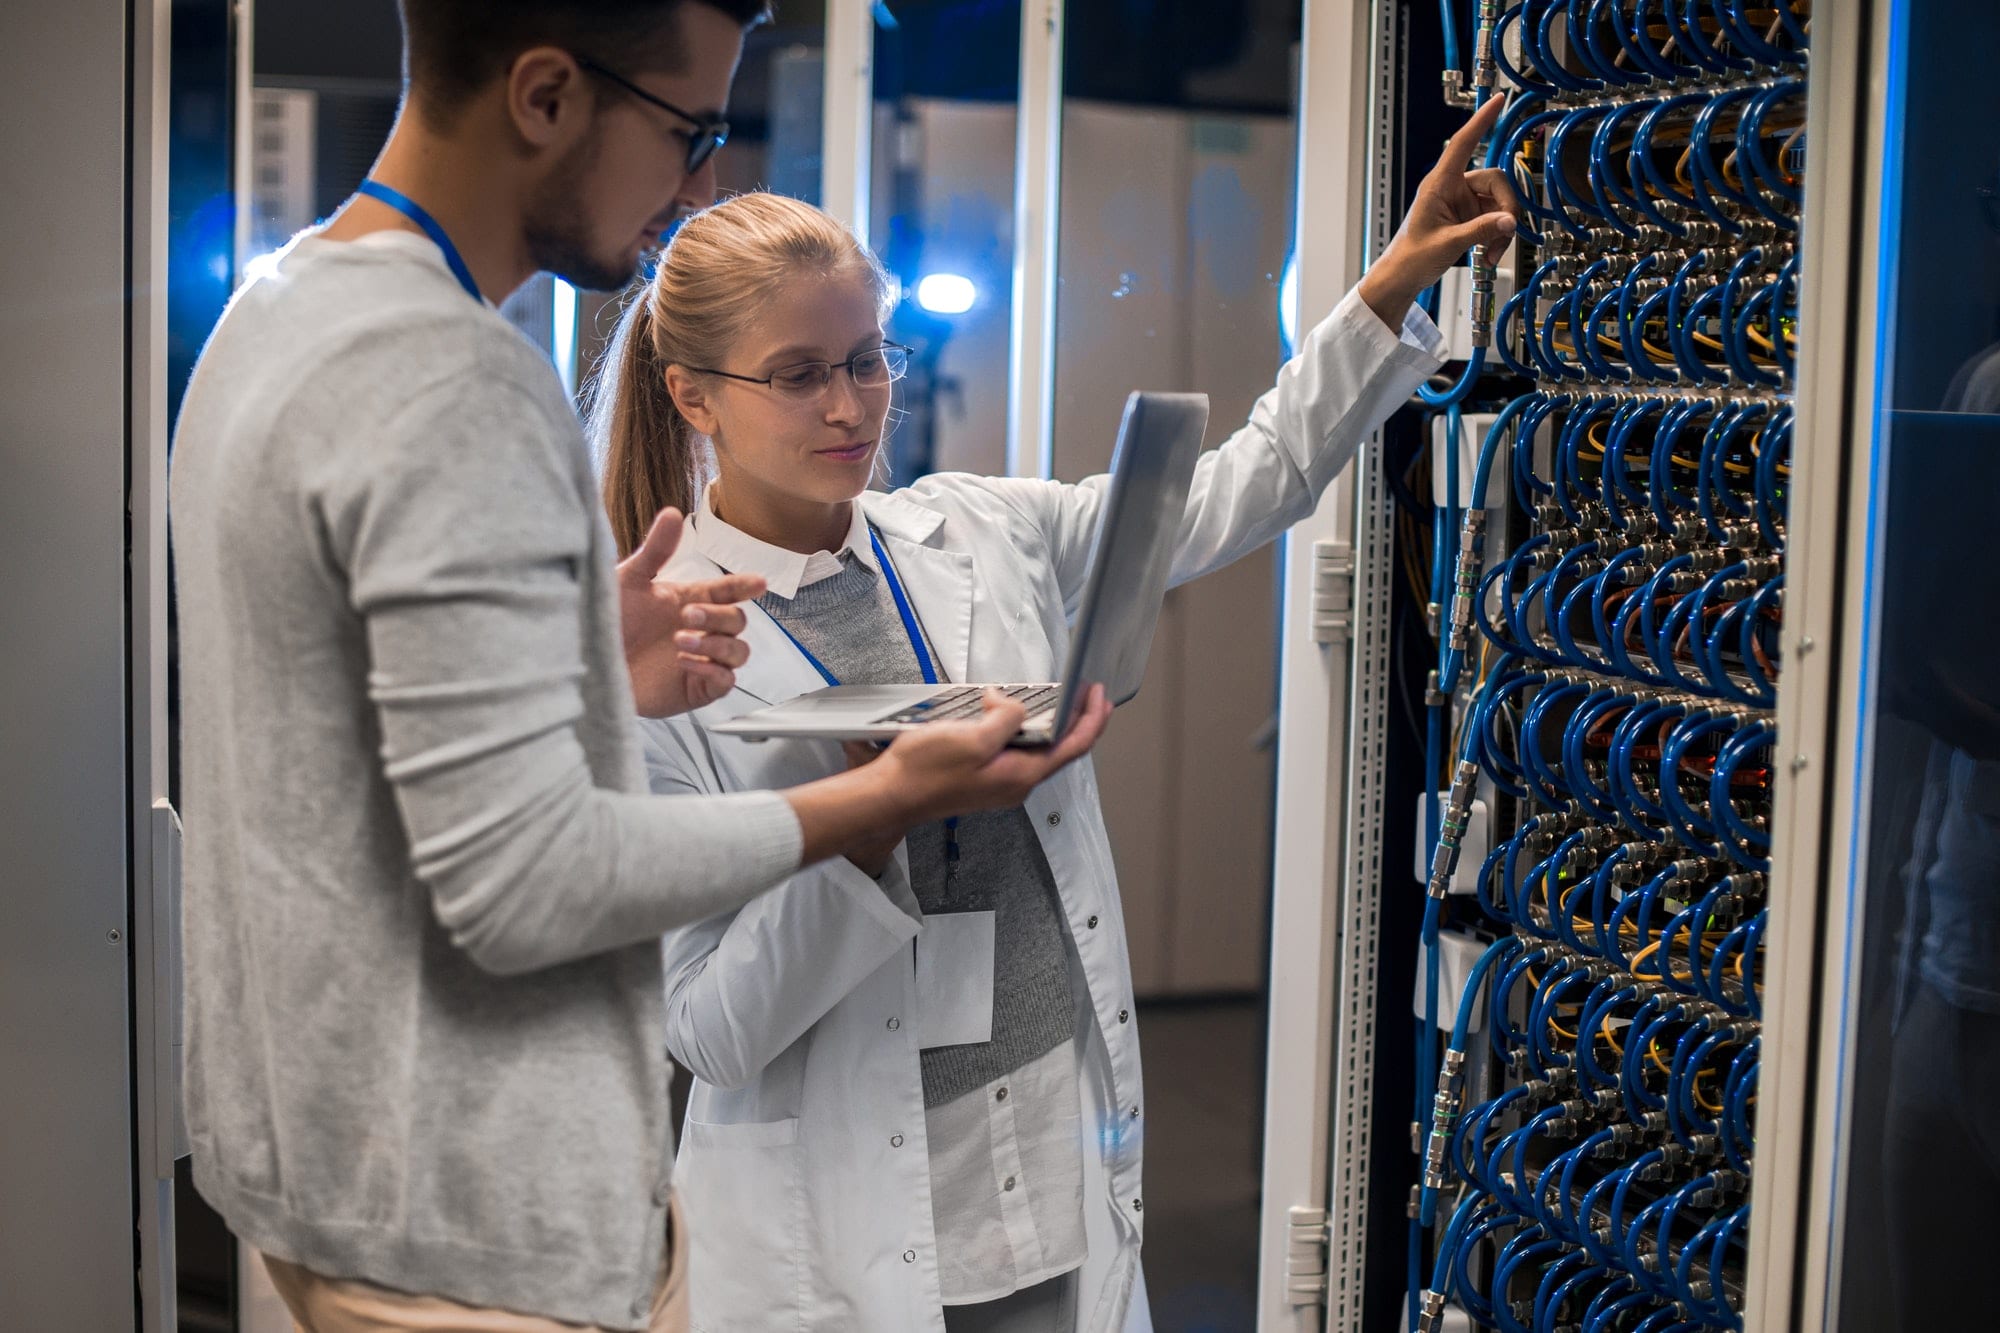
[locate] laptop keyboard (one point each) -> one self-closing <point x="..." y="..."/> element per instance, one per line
<point x="966" y="701"/>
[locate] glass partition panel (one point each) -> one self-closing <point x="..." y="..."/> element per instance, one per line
<point x="1177" y="193"/>
<point x="1920" y="1164"/>
<point x="774" y="106"/>
<point x="942" y="220"/>
<point x="204" y="105"/>
<point x="1179" y="144"/>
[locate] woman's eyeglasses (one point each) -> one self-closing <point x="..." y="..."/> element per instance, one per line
<point x="709" y="132"/>
<point x="872" y="369"/>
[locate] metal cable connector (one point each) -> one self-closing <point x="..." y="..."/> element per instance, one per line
<point x="1465" y="582"/>
<point x="1484" y="275"/>
<point x="1485" y="71"/>
<point x="1456" y="819"/>
<point x="1444" y="1118"/>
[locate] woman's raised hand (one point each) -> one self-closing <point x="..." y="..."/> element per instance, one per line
<point x="1457" y="207"/>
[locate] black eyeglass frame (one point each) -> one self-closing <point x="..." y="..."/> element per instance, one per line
<point x="709" y="132"/>
<point x="831" y="366"/>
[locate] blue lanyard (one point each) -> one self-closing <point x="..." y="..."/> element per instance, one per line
<point x="902" y="609"/>
<point x="414" y="211"/>
<point x="923" y="664"/>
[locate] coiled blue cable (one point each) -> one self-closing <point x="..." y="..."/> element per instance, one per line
<point x="1743" y="842"/>
<point x="1755" y="635"/>
<point x="1694" y="829"/>
<point x="1537" y="37"/>
<point x="1686" y="26"/>
<point x="1738" y="1138"/>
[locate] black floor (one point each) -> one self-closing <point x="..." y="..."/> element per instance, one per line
<point x="1204" y="1065"/>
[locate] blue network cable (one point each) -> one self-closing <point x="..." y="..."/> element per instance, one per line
<point x="1655" y="144"/>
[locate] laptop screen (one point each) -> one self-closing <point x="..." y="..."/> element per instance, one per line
<point x="1159" y="442"/>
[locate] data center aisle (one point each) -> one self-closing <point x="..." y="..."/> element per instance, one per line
<point x="1204" y="1064"/>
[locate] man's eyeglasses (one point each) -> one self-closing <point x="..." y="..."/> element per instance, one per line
<point x="872" y="369"/>
<point x="709" y="132"/>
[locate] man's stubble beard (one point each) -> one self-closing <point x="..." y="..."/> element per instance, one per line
<point x="558" y="232"/>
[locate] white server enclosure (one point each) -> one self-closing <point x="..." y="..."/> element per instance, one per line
<point x="87" y="988"/>
<point x="1688" y="1020"/>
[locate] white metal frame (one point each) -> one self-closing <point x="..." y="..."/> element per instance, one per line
<point x="1352" y="1122"/>
<point x="244" y="183"/>
<point x="1813" y="831"/>
<point x="154" y="831"/>
<point x="847" y="114"/>
<point x="1320" y="1060"/>
<point x="1031" y="377"/>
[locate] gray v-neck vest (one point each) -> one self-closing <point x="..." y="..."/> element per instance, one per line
<point x="849" y="622"/>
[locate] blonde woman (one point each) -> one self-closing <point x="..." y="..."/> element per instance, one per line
<point x="917" y="1102"/>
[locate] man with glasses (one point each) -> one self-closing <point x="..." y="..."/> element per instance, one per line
<point x="706" y="131"/>
<point x="424" y="888"/>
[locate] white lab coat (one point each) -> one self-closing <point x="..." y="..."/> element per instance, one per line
<point x="803" y="1162"/>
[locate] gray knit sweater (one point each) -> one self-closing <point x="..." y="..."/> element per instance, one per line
<point x="425" y="884"/>
<point x="849" y="622"/>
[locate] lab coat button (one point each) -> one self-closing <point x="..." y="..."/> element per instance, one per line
<point x="1124" y="1016"/>
<point x="1009" y="1185"/>
<point x="895" y="1024"/>
<point x="1092" y="923"/>
<point x="895" y="1140"/>
<point x="1000" y="1096"/>
<point x="909" y="1256"/>
<point x="1055" y="818"/>
<point x="1137" y="1205"/>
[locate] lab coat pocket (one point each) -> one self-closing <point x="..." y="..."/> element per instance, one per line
<point x="744" y="1187"/>
<point x="955" y="980"/>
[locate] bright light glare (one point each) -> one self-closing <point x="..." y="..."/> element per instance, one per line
<point x="261" y="267"/>
<point x="946" y="294"/>
<point x="1288" y="304"/>
<point x="563" y="340"/>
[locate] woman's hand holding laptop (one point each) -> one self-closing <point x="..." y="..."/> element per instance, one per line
<point x="937" y="771"/>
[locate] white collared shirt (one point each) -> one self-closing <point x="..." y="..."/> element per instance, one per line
<point x="785" y="571"/>
<point x="1007" y="1180"/>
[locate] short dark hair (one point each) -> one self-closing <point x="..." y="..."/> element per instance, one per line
<point x="452" y="48"/>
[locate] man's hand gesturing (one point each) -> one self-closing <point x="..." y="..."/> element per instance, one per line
<point x="681" y="639"/>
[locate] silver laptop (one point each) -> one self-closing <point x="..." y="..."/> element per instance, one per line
<point x="1158" y="443"/>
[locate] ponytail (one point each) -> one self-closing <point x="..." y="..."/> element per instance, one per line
<point x="647" y="452"/>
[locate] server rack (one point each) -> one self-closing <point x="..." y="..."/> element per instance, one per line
<point x="1703" y="359"/>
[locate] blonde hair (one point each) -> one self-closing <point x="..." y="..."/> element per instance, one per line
<point x="722" y="267"/>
